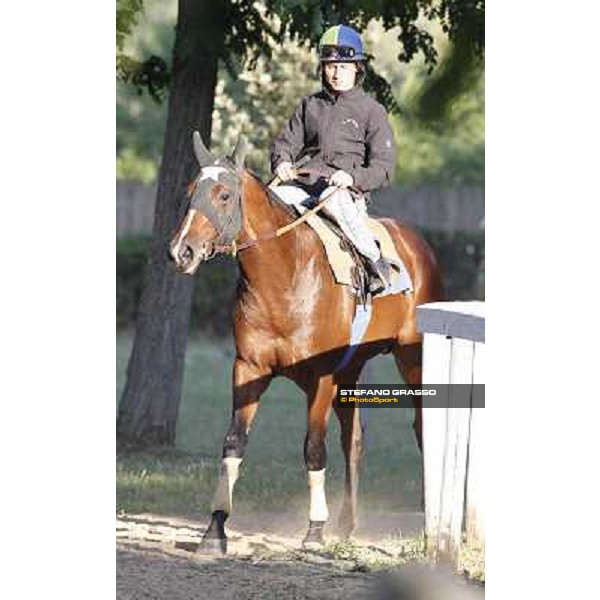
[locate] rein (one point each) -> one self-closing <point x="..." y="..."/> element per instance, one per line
<point x="234" y="247"/>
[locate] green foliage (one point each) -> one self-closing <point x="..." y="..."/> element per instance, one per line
<point x="307" y="20"/>
<point x="140" y="127"/>
<point x="132" y="167"/>
<point x="141" y="121"/>
<point x="248" y="35"/>
<point x="258" y="101"/>
<point x="382" y="90"/>
<point x="152" y="75"/>
<point x="127" y="16"/>
<point x="440" y="130"/>
<point x="392" y="552"/>
<point x="459" y="73"/>
<point x="130" y="70"/>
<point x="446" y="151"/>
<point x="464" y="22"/>
<point x="134" y="67"/>
<point x="239" y="32"/>
<point x="438" y="117"/>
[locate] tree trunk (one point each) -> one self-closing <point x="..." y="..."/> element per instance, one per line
<point x="150" y="402"/>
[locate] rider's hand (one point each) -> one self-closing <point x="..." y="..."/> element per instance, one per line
<point x="341" y="179"/>
<point x="285" y="171"/>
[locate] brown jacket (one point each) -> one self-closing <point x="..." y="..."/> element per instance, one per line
<point x="349" y="132"/>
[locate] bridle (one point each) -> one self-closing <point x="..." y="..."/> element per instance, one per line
<point x="233" y="247"/>
<point x="229" y="227"/>
<point x="201" y="199"/>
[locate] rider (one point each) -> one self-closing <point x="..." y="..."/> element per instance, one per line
<point x="350" y="143"/>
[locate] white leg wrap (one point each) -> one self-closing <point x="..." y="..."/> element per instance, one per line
<point x="318" y="503"/>
<point x="223" y="497"/>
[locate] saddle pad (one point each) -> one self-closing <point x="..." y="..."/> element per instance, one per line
<point x="341" y="262"/>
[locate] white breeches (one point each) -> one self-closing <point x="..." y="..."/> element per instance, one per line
<point x="348" y="213"/>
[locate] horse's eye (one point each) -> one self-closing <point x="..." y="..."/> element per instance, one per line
<point x="224" y="196"/>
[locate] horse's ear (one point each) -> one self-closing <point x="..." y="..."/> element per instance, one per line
<point x="202" y="154"/>
<point x="239" y="154"/>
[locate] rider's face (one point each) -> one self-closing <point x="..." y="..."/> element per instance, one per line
<point x="340" y="76"/>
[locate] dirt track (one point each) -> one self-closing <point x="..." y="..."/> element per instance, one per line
<point x="151" y="573"/>
<point x="260" y="563"/>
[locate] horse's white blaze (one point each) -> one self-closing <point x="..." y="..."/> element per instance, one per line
<point x="212" y="173"/>
<point x="223" y="498"/>
<point x="318" y="503"/>
<point x="184" y="231"/>
<point x="188" y="222"/>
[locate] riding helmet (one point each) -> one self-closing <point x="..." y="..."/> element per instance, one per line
<point x="341" y="44"/>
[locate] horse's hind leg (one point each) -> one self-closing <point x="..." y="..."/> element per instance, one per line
<point x="409" y="360"/>
<point x="248" y="385"/>
<point x="320" y="399"/>
<point x="351" y="437"/>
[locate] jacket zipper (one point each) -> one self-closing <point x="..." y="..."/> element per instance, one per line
<point x="325" y="146"/>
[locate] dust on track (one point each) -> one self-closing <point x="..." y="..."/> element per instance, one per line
<point x="260" y="563"/>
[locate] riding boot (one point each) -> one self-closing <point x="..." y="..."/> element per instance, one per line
<point x="381" y="275"/>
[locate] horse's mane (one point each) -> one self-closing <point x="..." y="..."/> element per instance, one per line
<point x="272" y="196"/>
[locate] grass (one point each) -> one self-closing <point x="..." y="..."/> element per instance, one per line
<point x="273" y="477"/>
<point x="394" y="552"/>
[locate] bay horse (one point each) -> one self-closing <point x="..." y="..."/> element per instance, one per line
<point x="291" y="319"/>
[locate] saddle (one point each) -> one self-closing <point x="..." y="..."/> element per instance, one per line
<point x="350" y="268"/>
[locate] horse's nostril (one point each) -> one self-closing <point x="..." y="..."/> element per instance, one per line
<point x="186" y="253"/>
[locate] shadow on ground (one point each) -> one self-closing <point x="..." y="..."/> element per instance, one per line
<point x="156" y="559"/>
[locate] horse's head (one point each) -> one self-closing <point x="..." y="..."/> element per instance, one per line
<point x="214" y="213"/>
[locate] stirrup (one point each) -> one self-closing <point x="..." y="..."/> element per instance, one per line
<point x="380" y="275"/>
<point x="384" y="271"/>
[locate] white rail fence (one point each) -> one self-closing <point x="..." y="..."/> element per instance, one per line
<point x="454" y="429"/>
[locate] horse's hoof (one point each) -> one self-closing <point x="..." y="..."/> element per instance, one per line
<point x="312" y="545"/>
<point x="215" y="539"/>
<point x="314" y="536"/>
<point x="213" y="546"/>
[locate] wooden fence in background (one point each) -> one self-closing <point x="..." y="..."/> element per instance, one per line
<point x="135" y="208"/>
<point x="458" y="209"/>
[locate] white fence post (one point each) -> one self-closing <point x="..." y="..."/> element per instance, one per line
<point x="436" y="367"/>
<point x="475" y="517"/>
<point x="452" y="428"/>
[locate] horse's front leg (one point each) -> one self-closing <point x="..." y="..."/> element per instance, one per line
<point x="315" y="456"/>
<point x="249" y="383"/>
